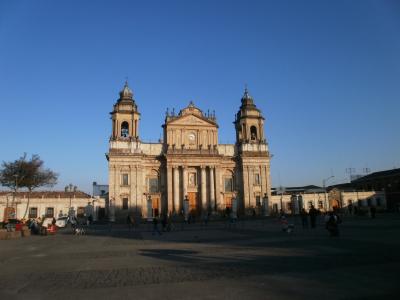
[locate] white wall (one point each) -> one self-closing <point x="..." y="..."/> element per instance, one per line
<point x="59" y="204"/>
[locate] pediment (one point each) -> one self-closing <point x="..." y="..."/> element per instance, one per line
<point x="191" y="120"/>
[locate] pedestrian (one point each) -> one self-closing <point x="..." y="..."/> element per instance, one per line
<point x="164" y="222"/>
<point x="304" y="218"/>
<point x="372" y="210"/>
<point x="129" y="222"/>
<point x="350" y="209"/>
<point x="204" y="218"/>
<point x="313" y="216"/>
<point x="155" y="226"/>
<point x="227" y="211"/>
<point x="170" y="226"/>
<point x="332" y="224"/>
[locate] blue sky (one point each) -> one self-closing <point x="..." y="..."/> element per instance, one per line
<point x="326" y="75"/>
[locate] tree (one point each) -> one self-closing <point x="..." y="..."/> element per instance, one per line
<point x="29" y="174"/>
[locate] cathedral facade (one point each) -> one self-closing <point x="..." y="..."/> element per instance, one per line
<point x="188" y="170"/>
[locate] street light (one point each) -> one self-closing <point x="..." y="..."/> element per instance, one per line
<point x="323" y="185"/>
<point x="69" y="189"/>
<point x="281" y="189"/>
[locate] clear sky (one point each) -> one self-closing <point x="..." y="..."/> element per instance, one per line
<point x="326" y="75"/>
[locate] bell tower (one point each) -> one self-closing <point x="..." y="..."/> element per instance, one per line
<point x="253" y="158"/>
<point x="125" y="117"/>
<point x="249" y="122"/>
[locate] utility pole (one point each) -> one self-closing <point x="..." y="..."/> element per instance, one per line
<point x="350" y="171"/>
<point x="324" y="186"/>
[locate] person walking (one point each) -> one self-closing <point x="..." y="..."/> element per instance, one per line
<point x="304" y="218"/>
<point x="155" y="226"/>
<point x="313" y="216"/>
<point x="350" y="209"/>
<point x="372" y="210"/>
<point x="164" y="223"/>
<point x="129" y="221"/>
<point x="332" y="224"/>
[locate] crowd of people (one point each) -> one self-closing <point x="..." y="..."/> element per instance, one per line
<point x="331" y="220"/>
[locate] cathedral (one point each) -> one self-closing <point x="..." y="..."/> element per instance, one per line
<point x="188" y="169"/>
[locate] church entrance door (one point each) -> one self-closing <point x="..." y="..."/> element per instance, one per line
<point x="228" y="201"/>
<point x="155" y="205"/>
<point x="193" y="202"/>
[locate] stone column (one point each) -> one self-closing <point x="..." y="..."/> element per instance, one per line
<point x="169" y="189"/>
<point x="176" y="189"/>
<point x="136" y="189"/>
<point x="185" y="181"/>
<point x="141" y="177"/>
<point x="251" y="193"/>
<point x="212" y="191"/>
<point x="117" y="181"/>
<point x="203" y="189"/>
<point x="132" y="189"/>
<point x="137" y="129"/>
<point x="218" y="190"/>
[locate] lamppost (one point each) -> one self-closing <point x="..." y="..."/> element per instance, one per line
<point x="323" y="185"/>
<point x="69" y="189"/>
<point x="282" y="190"/>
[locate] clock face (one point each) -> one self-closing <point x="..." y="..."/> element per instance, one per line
<point x="192" y="137"/>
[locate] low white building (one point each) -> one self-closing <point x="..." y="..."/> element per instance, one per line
<point x="357" y="198"/>
<point x="48" y="204"/>
<point x="292" y="200"/>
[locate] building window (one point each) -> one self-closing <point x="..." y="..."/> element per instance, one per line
<point x="257" y="179"/>
<point x="153" y="185"/>
<point x="192" y="138"/>
<point x="49" y="212"/>
<point x="33" y="212"/>
<point x="289" y="206"/>
<point x="124" y="129"/>
<point x="228" y="185"/>
<point x="192" y="179"/>
<point x="320" y="204"/>
<point x="125" y="203"/>
<point x="125" y="179"/>
<point x="378" y="201"/>
<point x="80" y="212"/>
<point x="310" y="204"/>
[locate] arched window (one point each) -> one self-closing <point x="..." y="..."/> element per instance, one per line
<point x="253" y="133"/>
<point x="124" y="129"/>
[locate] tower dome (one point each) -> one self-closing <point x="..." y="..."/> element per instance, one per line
<point x="126" y="92"/>
<point x="247" y="100"/>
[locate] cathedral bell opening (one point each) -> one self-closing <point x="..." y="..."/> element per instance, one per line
<point x="124" y="129"/>
<point x="253" y="133"/>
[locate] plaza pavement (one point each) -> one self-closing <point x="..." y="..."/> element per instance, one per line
<point x="254" y="260"/>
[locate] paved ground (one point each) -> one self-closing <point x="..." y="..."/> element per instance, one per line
<point x="255" y="260"/>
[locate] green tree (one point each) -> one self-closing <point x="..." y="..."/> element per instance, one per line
<point x="29" y="174"/>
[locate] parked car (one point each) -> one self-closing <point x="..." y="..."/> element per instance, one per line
<point x="62" y="222"/>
